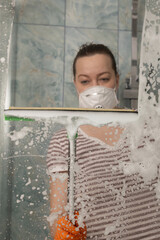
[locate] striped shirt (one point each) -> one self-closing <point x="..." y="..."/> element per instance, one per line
<point x="115" y="206"/>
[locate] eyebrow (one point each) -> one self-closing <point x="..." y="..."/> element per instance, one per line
<point x="103" y="73"/>
<point x="85" y="75"/>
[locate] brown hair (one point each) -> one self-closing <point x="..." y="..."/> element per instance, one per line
<point x="90" y="49"/>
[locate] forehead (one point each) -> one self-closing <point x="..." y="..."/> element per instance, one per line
<point x="96" y="61"/>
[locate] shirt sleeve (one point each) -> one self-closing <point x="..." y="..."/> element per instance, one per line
<point x="57" y="156"/>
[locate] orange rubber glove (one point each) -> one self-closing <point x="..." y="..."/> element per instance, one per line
<point x="66" y="230"/>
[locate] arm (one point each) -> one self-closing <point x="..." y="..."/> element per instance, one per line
<point x="58" y="198"/>
<point x="57" y="166"/>
<point x="60" y="225"/>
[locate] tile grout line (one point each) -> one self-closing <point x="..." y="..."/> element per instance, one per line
<point x="77" y="27"/>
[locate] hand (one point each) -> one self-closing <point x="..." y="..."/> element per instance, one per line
<point x="66" y="230"/>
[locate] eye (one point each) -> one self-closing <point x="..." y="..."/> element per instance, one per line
<point x="104" y="79"/>
<point x="84" y="82"/>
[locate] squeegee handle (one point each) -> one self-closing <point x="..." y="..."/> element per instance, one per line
<point x="72" y="142"/>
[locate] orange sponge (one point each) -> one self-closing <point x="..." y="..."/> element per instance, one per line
<point x="66" y="230"/>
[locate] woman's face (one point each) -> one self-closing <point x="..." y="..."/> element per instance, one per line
<point x="95" y="70"/>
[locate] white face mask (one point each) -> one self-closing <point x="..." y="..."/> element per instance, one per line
<point x="98" y="97"/>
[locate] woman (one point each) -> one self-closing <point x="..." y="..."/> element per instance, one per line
<point x="110" y="205"/>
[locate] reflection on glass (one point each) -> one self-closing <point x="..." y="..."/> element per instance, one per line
<point x="43" y="48"/>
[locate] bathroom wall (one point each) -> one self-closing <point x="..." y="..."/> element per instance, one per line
<point x="46" y="36"/>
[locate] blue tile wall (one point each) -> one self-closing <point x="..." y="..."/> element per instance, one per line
<point x="47" y="35"/>
<point x="92" y="14"/>
<point x="39" y="65"/>
<point x="125" y="17"/>
<point x="43" y="12"/>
